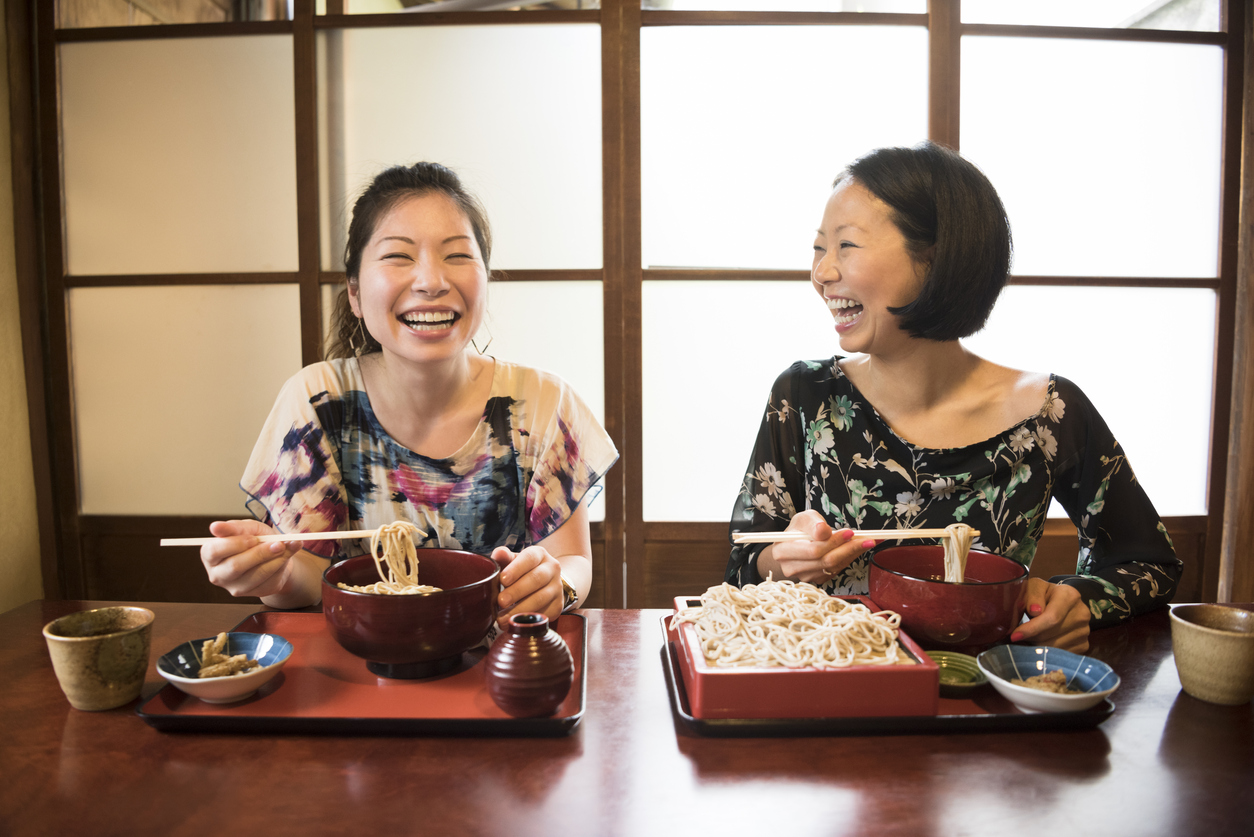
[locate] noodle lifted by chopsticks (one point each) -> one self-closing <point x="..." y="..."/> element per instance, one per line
<point x="957" y="543"/>
<point x="397" y="561"/>
<point x="790" y="624"/>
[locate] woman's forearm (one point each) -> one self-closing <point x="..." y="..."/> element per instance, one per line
<point x="304" y="583"/>
<point x="766" y="566"/>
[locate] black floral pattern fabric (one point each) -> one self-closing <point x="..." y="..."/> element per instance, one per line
<point x="823" y="446"/>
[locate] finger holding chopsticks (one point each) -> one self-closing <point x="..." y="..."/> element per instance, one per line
<point x="249" y="558"/>
<point x="809" y="550"/>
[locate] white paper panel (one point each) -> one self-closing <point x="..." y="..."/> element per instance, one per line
<point x="744" y="128"/>
<point x="1194" y="15"/>
<point x="171" y="388"/>
<point x="1143" y="356"/>
<point x="1106" y="154"/>
<point x="707" y="377"/>
<point x="711" y="352"/>
<point x="897" y="6"/>
<point x="179" y="155"/>
<point x="516" y="111"/>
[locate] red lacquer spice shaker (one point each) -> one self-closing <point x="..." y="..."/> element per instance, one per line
<point x="529" y="669"/>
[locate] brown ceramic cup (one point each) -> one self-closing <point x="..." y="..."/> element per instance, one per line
<point x="1213" y="647"/>
<point x="101" y="656"/>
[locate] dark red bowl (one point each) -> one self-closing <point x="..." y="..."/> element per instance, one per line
<point x="413" y="636"/>
<point x="975" y="613"/>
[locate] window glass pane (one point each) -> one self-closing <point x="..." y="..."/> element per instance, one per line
<point x="515" y="110"/>
<point x="1118" y="359"/>
<point x="179" y="156"/>
<point x="171" y="387"/>
<point x="1153" y="389"/>
<point x="574" y="350"/>
<point x="1107" y="160"/>
<point x="743" y="129"/>
<point x="556" y="326"/>
<point x="81" y="14"/>
<point x="897" y="6"/>
<point x="707" y="379"/>
<point x="374" y="7"/>
<point x="1190" y="15"/>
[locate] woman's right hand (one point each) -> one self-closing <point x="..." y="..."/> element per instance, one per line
<point x="824" y="553"/>
<point x="243" y="565"/>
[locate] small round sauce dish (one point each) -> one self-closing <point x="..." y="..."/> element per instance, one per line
<point x="960" y="675"/>
<point x="181" y="666"/>
<point x="1089" y="680"/>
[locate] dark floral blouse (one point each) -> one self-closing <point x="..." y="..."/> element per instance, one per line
<point x="822" y="446"/>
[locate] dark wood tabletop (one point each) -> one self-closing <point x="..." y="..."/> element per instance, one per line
<point x="1163" y="763"/>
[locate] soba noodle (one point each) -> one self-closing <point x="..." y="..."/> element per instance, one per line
<point x="795" y="625"/>
<point x="397" y="562"/>
<point x="957" y="543"/>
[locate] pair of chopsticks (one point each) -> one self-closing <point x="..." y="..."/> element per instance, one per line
<point x="287" y="538"/>
<point x="883" y="534"/>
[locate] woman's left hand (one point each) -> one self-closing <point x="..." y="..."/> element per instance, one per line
<point x="1057" y="617"/>
<point x="531" y="582"/>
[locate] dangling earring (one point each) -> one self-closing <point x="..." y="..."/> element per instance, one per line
<point x="352" y="344"/>
<point x="485" y="345"/>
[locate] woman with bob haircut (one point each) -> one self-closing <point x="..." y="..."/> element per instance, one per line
<point x="406" y="420"/>
<point x="907" y="429"/>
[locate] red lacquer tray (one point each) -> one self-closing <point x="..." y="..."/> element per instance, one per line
<point x="716" y="692"/>
<point x="984" y="711"/>
<point x="323" y="688"/>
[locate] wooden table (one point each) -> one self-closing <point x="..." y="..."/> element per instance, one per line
<point x="1163" y="763"/>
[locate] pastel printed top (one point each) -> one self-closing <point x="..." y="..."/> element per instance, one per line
<point x="823" y="446"/>
<point x="324" y="463"/>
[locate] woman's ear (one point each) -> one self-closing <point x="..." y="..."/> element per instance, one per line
<point x="353" y="302"/>
<point x="923" y="264"/>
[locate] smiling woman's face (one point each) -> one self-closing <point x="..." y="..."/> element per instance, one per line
<point x="862" y="268"/>
<point x="422" y="286"/>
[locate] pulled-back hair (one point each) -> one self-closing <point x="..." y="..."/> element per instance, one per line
<point x="389" y="188"/>
<point x="953" y="222"/>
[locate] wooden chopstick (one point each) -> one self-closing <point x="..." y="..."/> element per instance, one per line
<point x="884" y="534"/>
<point x="286" y="538"/>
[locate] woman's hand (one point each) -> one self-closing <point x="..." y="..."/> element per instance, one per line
<point x="816" y="560"/>
<point x="281" y="574"/>
<point x="1057" y="617"/>
<point x="531" y="582"/>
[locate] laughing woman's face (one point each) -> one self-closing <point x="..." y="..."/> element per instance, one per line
<point x="422" y="285"/>
<point x="862" y="268"/>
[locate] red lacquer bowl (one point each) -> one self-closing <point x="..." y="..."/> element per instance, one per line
<point x="413" y="636"/>
<point x="973" y="614"/>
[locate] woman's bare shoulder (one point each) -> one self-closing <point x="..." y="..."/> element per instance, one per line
<point x="1023" y="392"/>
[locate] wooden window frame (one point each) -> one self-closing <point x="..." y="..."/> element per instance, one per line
<point x="637" y="563"/>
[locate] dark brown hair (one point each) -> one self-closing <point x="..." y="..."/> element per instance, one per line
<point x="943" y="203"/>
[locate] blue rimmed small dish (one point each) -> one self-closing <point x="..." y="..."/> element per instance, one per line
<point x="181" y="666"/>
<point x="1091" y="679"/>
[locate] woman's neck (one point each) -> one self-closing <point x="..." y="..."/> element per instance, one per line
<point x="939" y="395"/>
<point x="920" y="376"/>
<point x="425" y="391"/>
<point x="430" y="408"/>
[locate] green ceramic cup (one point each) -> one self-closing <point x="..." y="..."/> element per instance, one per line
<point x="101" y="656"/>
